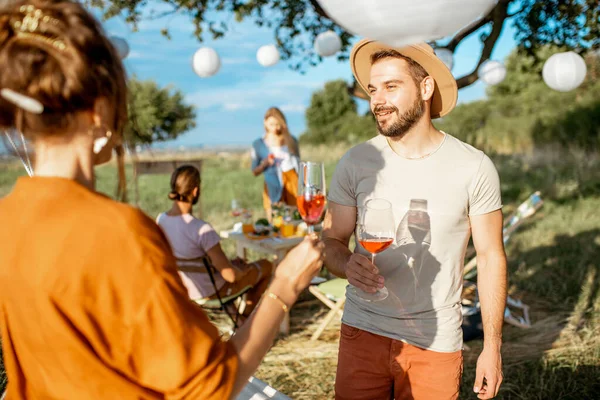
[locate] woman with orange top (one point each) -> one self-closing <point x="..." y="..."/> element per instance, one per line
<point x="192" y="238"/>
<point x="276" y="156"/>
<point x="91" y="304"/>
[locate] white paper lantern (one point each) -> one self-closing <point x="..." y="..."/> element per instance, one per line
<point x="121" y="45"/>
<point x="206" y="62"/>
<point x="446" y="56"/>
<point x="328" y="43"/>
<point x="492" y="72"/>
<point x="402" y="22"/>
<point x="268" y="55"/>
<point x="564" y="71"/>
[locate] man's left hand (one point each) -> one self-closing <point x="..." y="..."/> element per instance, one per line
<point x="489" y="374"/>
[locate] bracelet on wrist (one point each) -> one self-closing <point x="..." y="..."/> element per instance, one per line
<point x="273" y="296"/>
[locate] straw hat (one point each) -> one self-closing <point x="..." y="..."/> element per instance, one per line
<point x="446" y="91"/>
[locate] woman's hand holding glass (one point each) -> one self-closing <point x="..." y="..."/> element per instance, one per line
<point x="301" y="264"/>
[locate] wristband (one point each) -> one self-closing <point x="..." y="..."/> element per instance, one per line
<point x="275" y="297"/>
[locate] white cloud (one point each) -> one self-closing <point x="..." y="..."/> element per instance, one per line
<point x="138" y="55"/>
<point x="293" y="108"/>
<point x="270" y="90"/>
<point x="135" y="55"/>
<point x="238" y="106"/>
<point x="175" y="25"/>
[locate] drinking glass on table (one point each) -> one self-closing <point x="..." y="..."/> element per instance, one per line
<point x="236" y="210"/>
<point x="311" y="193"/>
<point x="375" y="234"/>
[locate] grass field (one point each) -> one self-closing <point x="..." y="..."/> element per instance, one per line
<point x="554" y="266"/>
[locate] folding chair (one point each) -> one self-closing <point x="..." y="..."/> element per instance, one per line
<point x="514" y="221"/>
<point x="226" y="304"/>
<point x="333" y="294"/>
<point x="516" y="312"/>
<point x="259" y="390"/>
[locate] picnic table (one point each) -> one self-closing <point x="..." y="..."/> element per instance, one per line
<point x="275" y="245"/>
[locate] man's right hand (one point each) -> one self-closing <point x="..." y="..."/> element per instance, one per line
<point x="361" y="273"/>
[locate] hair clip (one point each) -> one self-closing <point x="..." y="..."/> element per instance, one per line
<point x="24" y="102"/>
<point x="28" y="27"/>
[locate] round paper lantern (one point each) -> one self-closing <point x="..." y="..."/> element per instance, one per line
<point x="206" y="62"/>
<point x="121" y="46"/>
<point x="268" y="55"/>
<point x="328" y="43"/>
<point x="446" y="56"/>
<point x="492" y="72"/>
<point x="402" y="22"/>
<point x="564" y="71"/>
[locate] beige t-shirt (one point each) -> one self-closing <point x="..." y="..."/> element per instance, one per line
<point x="432" y="199"/>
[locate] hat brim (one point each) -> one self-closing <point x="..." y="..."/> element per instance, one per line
<point x="445" y="94"/>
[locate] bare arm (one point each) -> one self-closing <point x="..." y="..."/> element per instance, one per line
<point x="262" y="166"/>
<point x="491" y="282"/>
<point x="220" y="261"/>
<point x="254" y="339"/>
<point x="338" y="227"/>
<point x="491" y="266"/>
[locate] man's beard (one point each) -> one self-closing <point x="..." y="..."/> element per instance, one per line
<point x="404" y="122"/>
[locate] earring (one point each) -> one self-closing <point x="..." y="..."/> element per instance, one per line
<point x="101" y="142"/>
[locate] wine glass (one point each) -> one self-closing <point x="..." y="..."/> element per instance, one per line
<point x="311" y="193"/>
<point x="375" y="234"/>
<point x="236" y="211"/>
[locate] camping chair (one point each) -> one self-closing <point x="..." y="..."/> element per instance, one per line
<point x="226" y="304"/>
<point x="516" y="312"/>
<point x="514" y="221"/>
<point x="259" y="390"/>
<point x="333" y="294"/>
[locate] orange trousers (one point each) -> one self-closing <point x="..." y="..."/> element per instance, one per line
<point x="288" y="196"/>
<point x="373" y="367"/>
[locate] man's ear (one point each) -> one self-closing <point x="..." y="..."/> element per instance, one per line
<point x="427" y="88"/>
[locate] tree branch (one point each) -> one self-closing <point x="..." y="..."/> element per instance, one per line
<point x="163" y="14"/>
<point x="468" y="30"/>
<point x="499" y="15"/>
<point x="319" y="10"/>
<point x="355" y="90"/>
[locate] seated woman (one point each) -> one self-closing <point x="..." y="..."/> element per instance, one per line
<point x="193" y="238"/>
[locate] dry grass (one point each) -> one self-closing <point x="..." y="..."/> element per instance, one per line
<point x="305" y="369"/>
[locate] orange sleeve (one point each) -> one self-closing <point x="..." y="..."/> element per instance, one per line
<point x="175" y="350"/>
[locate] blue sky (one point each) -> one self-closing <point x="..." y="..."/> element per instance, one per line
<point x="231" y="104"/>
